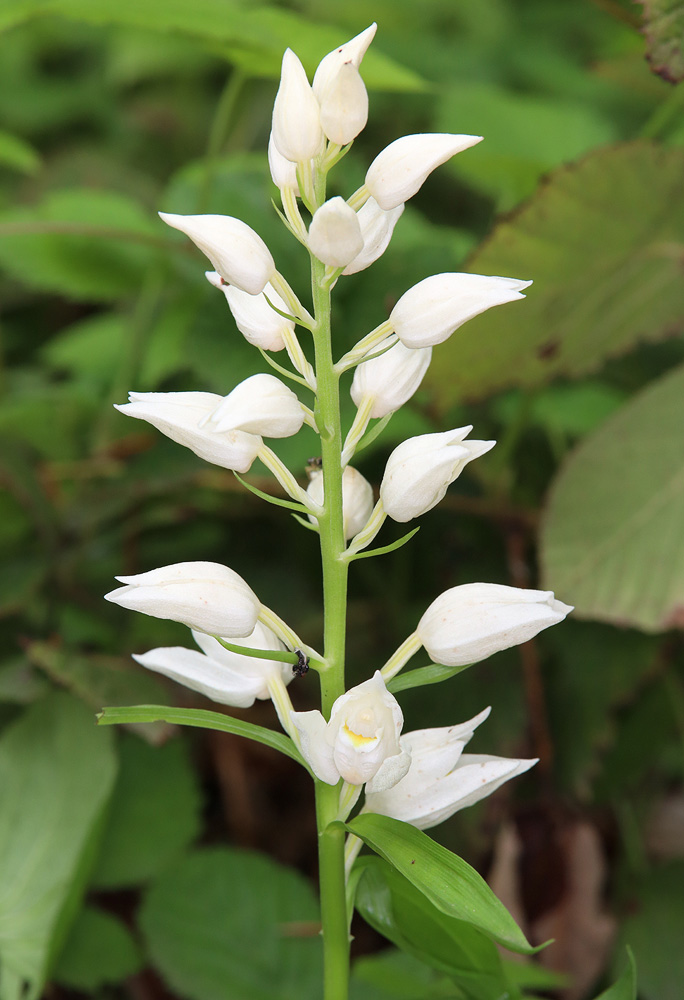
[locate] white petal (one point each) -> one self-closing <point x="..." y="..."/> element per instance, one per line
<point x="344" y="105"/>
<point x="283" y="171"/>
<point x="255" y="319"/>
<point x="391" y="771"/>
<point x="398" y="172"/>
<point x="200" y="673"/>
<point x="377" y="227"/>
<point x="357" y="499"/>
<point x="334" y="234"/>
<point x="390" y="379"/>
<point x="317" y="752"/>
<point x="238" y="253"/>
<point x="296" y="128"/>
<point x="352" y="51"/>
<point x="262" y="405"/>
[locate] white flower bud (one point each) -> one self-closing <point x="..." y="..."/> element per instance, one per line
<point x="377" y="227"/>
<point x="352" y="51"/>
<point x="428" y="313"/>
<point x="399" y="171"/>
<point x="225" y="677"/>
<point x="344" y="105"/>
<point x="420" y="470"/>
<point x="471" y="622"/>
<point x="360" y="743"/>
<point x="261" y="404"/>
<point x="442" y="779"/>
<point x="238" y="253"/>
<point x="258" y="323"/>
<point x="203" y="595"/>
<point x="283" y="171"/>
<point x="185" y="417"/>
<point x="335" y="234"/>
<point x="357" y="499"/>
<point x="390" y="379"/>
<point x="296" y="127"/>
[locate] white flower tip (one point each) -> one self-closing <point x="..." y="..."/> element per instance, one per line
<point x="214" y="278"/>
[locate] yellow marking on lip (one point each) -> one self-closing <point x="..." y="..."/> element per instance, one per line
<point x="355" y="738"/>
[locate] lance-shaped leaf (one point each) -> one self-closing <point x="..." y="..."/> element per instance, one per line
<point x="445" y="879"/>
<point x="613" y="535"/>
<point x="604" y="241"/>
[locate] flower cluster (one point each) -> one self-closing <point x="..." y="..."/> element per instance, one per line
<point x="421" y="777"/>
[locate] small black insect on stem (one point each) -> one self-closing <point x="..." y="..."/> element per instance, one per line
<point x="301" y="667"/>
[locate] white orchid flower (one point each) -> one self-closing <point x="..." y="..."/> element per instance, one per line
<point x="360" y="743"/>
<point x="296" y="127"/>
<point x="386" y="382"/>
<point x="398" y="172"/>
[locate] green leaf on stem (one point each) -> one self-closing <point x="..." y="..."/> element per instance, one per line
<point x="445" y="879"/>
<point x="404" y="915"/>
<point x="289" y="504"/>
<point x="202" y="719"/>
<point x="433" y="673"/>
<point x="626" y="986"/>
<point x="370" y="436"/>
<point x="384" y="549"/>
<point x="16" y="153"/>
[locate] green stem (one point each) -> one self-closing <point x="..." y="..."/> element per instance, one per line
<point x="331" y="839"/>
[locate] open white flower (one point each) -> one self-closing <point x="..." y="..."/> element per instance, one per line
<point x="202" y="595"/>
<point x="238" y="253"/>
<point x="186" y="417"/>
<point x="226" y="677"/>
<point x="390" y="379"/>
<point x="428" y="313"/>
<point x="399" y="171"/>
<point x="261" y="404"/>
<point x="357" y="499"/>
<point x="420" y="470"/>
<point x="441" y="778"/>
<point x="335" y="234"/>
<point x="471" y="622"/>
<point x="360" y="743"/>
<point x="258" y="323"/>
<point x="296" y="128"/>
<point x="377" y="227"/>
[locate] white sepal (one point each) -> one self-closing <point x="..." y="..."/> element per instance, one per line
<point x="335" y="234"/>
<point x="225" y="677"/>
<point x="202" y="595"/>
<point x="420" y="470"/>
<point x="361" y="739"/>
<point x="471" y="622"/>
<point x="377" y="227"/>
<point x="283" y="171"/>
<point x="258" y="323"/>
<point x="344" y="105"/>
<point x="296" y="129"/>
<point x="352" y="51"/>
<point x="442" y="779"/>
<point x="429" y="312"/>
<point x="398" y="172"/>
<point x="238" y="253"/>
<point x="186" y="417"/>
<point x="261" y="404"/>
<point x="357" y="499"/>
<point x="390" y="379"/>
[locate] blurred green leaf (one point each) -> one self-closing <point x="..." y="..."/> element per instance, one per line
<point x="404" y="915"/>
<point x="626" y="986"/>
<point x="664" y="31"/>
<point x="615" y="516"/>
<point x="80" y="243"/>
<point x="603" y="240"/>
<point x="233" y="923"/>
<point x="447" y="881"/>
<point x="394" y="975"/>
<point x="18" y="154"/>
<point x="99" y="950"/>
<point x="525" y="136"/>
<point x="154" y="813"/>
<point x="56" y="771"/>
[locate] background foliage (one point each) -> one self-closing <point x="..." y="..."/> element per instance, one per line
<point x="114" y="874"/>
